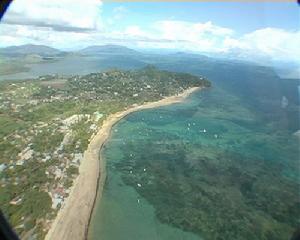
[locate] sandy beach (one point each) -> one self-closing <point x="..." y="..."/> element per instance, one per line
<point x="72" y="221"/>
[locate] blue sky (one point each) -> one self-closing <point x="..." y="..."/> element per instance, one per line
<point x="253" y="31"/>
<point x="242" y="17"/>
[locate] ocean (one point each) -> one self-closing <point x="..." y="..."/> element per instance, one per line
<point x="216" y="166"/>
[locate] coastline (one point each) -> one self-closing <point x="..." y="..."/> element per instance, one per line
<point x="72" y="221"/>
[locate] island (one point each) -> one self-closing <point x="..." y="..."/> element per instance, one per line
<point x="52" y="130"/>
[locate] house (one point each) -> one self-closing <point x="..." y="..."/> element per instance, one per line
<point x="16" y="201"/>
<point x="2" y="167"/>
<point x="20" y="162"/>
<point x="58" y="173"/>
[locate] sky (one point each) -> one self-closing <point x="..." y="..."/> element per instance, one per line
<point x="258" y="31"/>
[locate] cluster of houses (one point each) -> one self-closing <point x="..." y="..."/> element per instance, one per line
<point x="58" y="172"/>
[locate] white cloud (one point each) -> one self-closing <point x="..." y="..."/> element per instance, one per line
<point x="276" y="43"/>
<point x="271" y="44"/>
<point x="66" y="15"/>
<point x="176" y="34"/>
<point x="24" y="34"/>
<point x="119" y="12"/>
<point x="263" y="44"/>
<point x="181" y="30"/>
<point x="57" y="23"/>
<point x="193" y="36"/>
<point x="134" y="31"/>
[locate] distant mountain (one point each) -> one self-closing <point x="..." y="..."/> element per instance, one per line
<point x="108" y="49"/>
<point x="29" y="49"/>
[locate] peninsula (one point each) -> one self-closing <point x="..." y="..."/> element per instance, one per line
<point x="52" y="131"/>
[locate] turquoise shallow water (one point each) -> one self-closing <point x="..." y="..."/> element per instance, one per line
<point x="208" y="168"/>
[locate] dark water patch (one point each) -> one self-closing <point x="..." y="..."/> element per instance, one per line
<point x="248" y="124"/>
<point x="202" y="196"/>
<point x="184" y="113"/>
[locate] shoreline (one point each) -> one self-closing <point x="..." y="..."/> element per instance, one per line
<point x="73" y="219"/>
